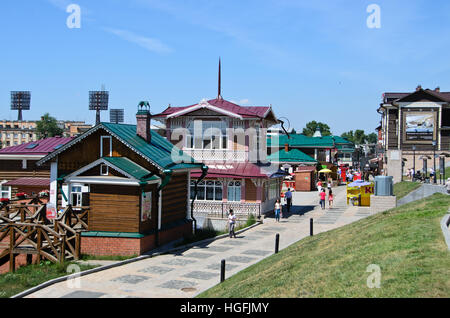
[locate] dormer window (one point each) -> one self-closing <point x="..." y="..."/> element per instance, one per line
<point x="105" y="146"/>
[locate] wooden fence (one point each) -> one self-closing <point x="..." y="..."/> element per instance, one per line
<point x="25" y="229"/>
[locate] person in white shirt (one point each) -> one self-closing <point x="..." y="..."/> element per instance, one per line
<point x="232" y="223"/>
<point x="277" y="210"/>
<point x="448" y="185"/>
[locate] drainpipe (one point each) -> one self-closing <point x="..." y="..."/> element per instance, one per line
<point x="60" y="181"/>
<point x="204" y="173"/>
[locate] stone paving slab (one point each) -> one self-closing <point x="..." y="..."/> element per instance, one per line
<point x="130" y="279"/>
<point x="156" y="270"/>
<point x="201" y="275"/>
<point x="83" y="294"/>
<point x="177" y="284"/>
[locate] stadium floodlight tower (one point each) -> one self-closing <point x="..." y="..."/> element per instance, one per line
<point x="116" y="116"/>
<point x="98" y="101"/>
<point x="20" y="101"/>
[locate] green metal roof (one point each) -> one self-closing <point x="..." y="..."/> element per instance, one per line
<point x="293" y="155"/>
<point x="130" y="168"/>
<point x="159" y="151"/>
<point x="299" y="140"/>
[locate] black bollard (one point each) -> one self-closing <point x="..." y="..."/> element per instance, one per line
<point x="277" y="243"/>
<point x="222" y="271"/>
<point x="311" y="232"/>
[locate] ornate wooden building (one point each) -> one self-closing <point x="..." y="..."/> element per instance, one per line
<point x="231" y="140"/>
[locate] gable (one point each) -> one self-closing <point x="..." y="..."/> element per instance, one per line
<point x="422" y="95"/>
<point x="154" y="156"/>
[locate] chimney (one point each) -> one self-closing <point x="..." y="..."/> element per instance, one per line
<point x="143" y="121"/>
<point x="437" y="89"/>
<point x="418" y="88"/>
<point x="286" y="147"/>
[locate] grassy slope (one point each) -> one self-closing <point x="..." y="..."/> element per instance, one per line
<point x="32" y="275"/>
<point x="406" y="243"/>
<point x="401" y="189"/>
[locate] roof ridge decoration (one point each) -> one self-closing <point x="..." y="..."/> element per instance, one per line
<point x="204" y="104"/>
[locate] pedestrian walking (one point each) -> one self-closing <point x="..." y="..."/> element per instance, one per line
<point x="277" y="210"/>
<point x="288" y="199"/>
<point x="322" y="196"/>
<point x="319" y="186"/>
<point x="330" y="198"/>
<point x="231" y="223"/>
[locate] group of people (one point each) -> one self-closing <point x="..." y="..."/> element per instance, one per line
<point x="323" y="194"/>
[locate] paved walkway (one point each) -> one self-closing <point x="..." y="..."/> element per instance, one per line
<point x="186" y="273"/>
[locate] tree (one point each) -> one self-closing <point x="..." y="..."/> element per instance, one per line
<point x="48" y="127"/>
<point x="359" y="137"/>
<point x="311" y="128"/>
<point x="372" y="138"/>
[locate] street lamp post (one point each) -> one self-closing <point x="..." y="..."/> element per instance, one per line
<point x="414" y="163"/>
<point x="434" y="161"/>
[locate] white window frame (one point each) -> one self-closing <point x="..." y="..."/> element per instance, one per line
<point x="5" y="191"/>
<point x="234" y="187"/>
<point x="217" y="184"/>
<point x="101" y="170"/>
<point x="191" y="137"/>
<point x="101" y="145"/>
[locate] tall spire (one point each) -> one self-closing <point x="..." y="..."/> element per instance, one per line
<point x="219" y="89"/>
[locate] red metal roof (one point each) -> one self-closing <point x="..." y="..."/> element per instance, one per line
<point x="244" y="111"/>
<point x="43" y="146"/>
<point x="235" y="170"/>
<point x="30" y="182"/>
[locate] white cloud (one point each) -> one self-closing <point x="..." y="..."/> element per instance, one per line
<point x="150" y="44"/>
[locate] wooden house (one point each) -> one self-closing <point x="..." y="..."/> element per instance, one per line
<point x="414" y="125"/>
<point x="231" y="140"/>
<point x="18" y="170"/>
<point x="126" y="175"/>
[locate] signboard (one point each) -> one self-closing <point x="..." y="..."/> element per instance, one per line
<point x="420" y="126"/>
<point x="51" y="211"/>
<point x="146" y="206"/>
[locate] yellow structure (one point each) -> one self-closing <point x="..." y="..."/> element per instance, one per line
<point x="360" y="194"/>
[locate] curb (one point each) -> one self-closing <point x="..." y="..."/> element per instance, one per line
<point x="121" y="263"/>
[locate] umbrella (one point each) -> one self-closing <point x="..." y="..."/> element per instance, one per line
<point x="325" y="171"/>
<point x="359" y="183"/>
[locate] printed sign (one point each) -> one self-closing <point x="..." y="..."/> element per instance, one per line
<point x="51" y="211"/>
<point x="146" y="207"/>
<point x="419" y="127"/>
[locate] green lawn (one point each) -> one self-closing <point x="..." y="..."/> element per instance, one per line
<point x="406" y="243"/>
<point x="401" y="189"/>
<point x="29" y="276"/>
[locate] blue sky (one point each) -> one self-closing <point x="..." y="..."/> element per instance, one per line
<point x="311" y="60"/>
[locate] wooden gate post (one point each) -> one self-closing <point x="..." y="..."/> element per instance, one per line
<point x="77" y="245"/>
<point x="62" y="251"/>
<point x="12" y="259"/>
<point x="39" y="244"/>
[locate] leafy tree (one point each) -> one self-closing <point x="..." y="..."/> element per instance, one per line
<point x="311" y="128"/>
<point x="359" y="137"/>
<point x="48" y="127"/>
<point x="372" y="138"/>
